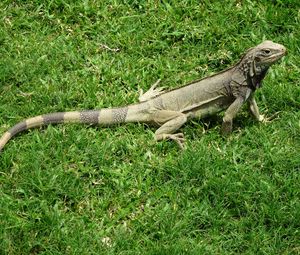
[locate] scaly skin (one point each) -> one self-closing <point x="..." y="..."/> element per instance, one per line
<point x="229" y="90"/>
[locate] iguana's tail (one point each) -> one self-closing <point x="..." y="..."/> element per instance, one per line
<point x="105" y="117"/>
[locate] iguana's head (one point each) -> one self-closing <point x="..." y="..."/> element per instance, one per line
<point x="267" y="53"/>
<point x="257" y="60"/>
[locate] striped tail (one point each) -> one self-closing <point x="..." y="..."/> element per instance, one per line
<point x="103" y="117"/>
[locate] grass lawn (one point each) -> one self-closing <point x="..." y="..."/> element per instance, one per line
<point x="78" y="189"/>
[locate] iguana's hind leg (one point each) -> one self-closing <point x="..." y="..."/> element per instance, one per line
<point x="170" y="122"/>
<point x="151" y="93"/>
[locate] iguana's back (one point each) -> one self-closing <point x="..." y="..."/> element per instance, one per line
<point x="209" y="93"/>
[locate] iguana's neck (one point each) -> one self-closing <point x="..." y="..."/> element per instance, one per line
<point x="253" y="73"/>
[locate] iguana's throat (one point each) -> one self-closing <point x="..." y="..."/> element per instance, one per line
<point x="253" y="72"/>
<point x="257" y="73"/>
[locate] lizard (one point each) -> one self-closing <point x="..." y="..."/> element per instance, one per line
<point x="170" y="109"/>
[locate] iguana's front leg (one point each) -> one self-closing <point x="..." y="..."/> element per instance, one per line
<point x="230" y="114"/>
<point x="151" y="93"/>
<point x="254" y="109"/>
<point x="170" y="122"/>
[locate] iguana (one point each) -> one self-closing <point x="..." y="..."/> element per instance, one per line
<point x="228" y="89"/>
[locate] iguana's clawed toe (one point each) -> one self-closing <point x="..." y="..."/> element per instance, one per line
<point x="151" y="93"/>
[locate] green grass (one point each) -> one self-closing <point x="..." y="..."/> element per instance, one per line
<point x="75" y="189"/>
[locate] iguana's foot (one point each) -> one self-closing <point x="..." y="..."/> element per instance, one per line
<point x="178" y="138"/>
<point x="261" y="118"/>
<point x="151" y="93"/>
<point x="226" y="128"/>
<point x="264" y="119"/>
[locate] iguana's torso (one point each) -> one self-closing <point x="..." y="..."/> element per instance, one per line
<point x="201" y="98"/>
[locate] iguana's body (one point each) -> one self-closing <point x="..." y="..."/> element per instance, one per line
<point x="228" y="89"/>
